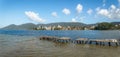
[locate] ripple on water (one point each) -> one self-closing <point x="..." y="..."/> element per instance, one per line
<point x="33" y="47"/>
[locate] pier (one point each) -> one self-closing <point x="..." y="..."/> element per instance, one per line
<point x="81" y="41"/>
<point x="100" y="42"/>
<point x="64" y="40"/>
<point x="49" y="38"/>
<point x="104" y="42"/>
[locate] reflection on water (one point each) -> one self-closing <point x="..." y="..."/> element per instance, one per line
<point x="25" y="46"/>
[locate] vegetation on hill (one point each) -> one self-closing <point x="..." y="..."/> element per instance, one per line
<point x="104" y="26"/>
<point x="107" y="26"/>
<point x="68" y="25"/>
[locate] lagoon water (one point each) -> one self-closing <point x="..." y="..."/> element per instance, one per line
<point x="26" y="43"/>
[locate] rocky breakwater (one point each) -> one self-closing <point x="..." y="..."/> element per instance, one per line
<point x="101" y="42"/>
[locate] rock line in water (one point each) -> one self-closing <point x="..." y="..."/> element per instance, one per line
<point x="101" y="42"/>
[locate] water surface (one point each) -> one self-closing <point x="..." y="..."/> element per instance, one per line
<point x="73" y="34"/>
<point x="25" y="43"/>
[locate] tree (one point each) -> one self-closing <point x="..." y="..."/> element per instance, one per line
<point x="104" y="26"/>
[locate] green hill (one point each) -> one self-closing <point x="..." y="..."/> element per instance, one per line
<point x="30" y="26"/>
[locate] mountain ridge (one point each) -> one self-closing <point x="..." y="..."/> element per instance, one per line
<point x="30" y="26"/>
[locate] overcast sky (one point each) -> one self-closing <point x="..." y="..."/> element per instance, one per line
<point x="48" y="11"/>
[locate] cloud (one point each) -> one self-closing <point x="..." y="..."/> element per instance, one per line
<point x="97" y="9"/>
<point x="33" y="16"/>
<point x="78" y="18"/>
<point x="119" y="1"/>
<point x="104" y="3"/>
<point x="54" y="14"/>
<point x="112" y="12"/>
<point x="66" y="11"/>
<point x="103" y="12"/>
<point x="79" y="8"/>
<point x="90" y="11"/>
<point x="74" y="20"/>
<point x="113" y="7"/>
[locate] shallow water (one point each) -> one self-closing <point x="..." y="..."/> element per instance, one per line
<point x="73" y="34"/>
<point x="17" y="45"/>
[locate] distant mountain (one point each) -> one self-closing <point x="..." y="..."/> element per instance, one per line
<point x="66" y="24"/>
<point x="30" y="26"/>
<point x="27" y="26"/>
<point x="116" y="23"/>
<point x="12" y="26"/>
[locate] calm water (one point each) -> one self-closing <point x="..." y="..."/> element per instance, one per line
<point x="25" y="43"/>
